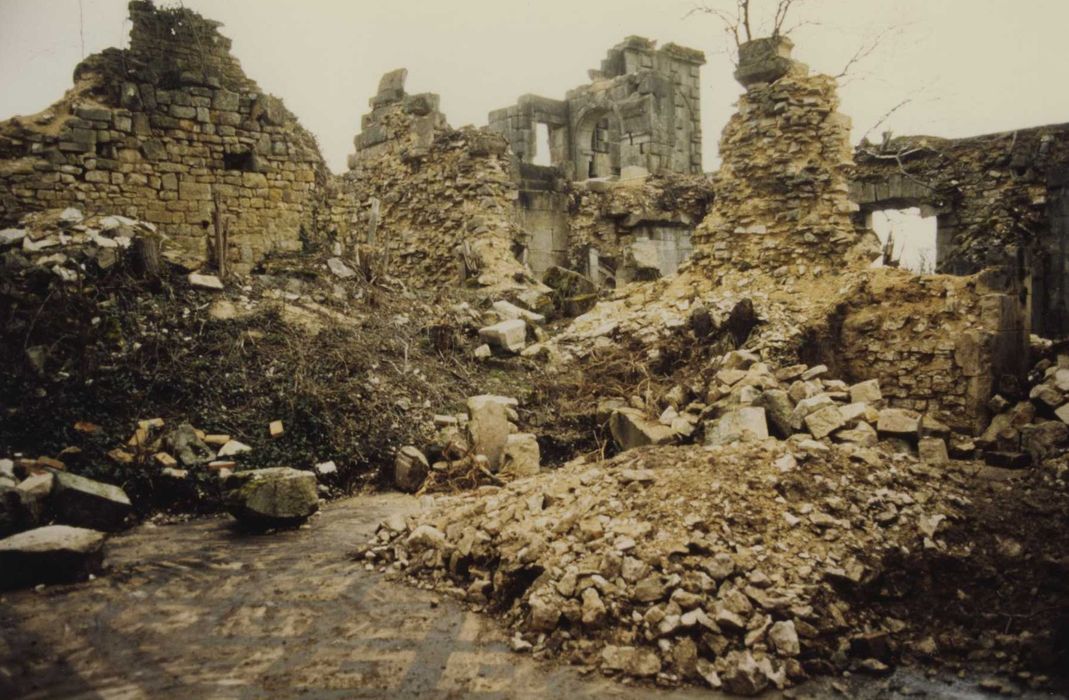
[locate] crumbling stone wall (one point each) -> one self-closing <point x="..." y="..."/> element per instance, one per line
<point x="991" y="197"/>
<point x="634" y="229"/>
<point x="157" y="131"/>
<point x="642" y="109"/>
<point x="781" y="194"/>
<point x="938" y="344"/>
<point x="434" y="203"/>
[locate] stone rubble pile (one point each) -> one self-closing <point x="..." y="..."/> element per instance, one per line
<point x="481" y="445"/>
<point x="747" y="400"/>
<point x="1033" y="431"/>
<point x="68" y="244"/>
<point x="729" y="565"/>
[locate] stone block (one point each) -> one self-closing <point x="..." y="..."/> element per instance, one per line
<point x="630" y="428"/>
<point x="507" y="336"/>
<point x="744" y="424"/>
<point x="83" y="502"/>
<point x="51" y="554"/>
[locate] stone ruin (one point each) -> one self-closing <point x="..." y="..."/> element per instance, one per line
<point x="169" y="131"/>
<point x="792" y="364"/>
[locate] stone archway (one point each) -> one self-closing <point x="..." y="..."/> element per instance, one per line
<point x="596" y="144"/>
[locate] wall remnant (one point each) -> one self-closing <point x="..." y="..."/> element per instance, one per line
<point x="642" y="109"/>
<point x="940" y="345"/>
<point x="631" y="230"/>
<point x="782" y="201"/>
<point x="991" y="196"/>
<point x="158" y="130"/>
<point x="640" y="115"/>
<point x="435" y="203"/>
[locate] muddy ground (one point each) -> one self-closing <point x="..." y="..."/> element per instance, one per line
<point x="195" y="609"/>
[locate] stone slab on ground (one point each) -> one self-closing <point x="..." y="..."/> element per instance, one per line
<point x="84" y="502"/>
<point x="273" y="497"/>
<point x="50" y="554"/>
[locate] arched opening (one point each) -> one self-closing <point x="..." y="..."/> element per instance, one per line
<point x="596" y="151"/>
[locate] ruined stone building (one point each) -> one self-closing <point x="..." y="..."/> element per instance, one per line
<point x="606" y="181"/>
<point x="639" y="115"/>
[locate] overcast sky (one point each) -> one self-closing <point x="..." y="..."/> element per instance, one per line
<point x="969" y="66"/>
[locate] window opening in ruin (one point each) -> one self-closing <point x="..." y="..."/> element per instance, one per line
<point x="908" y="239"/>
<point x="541" y="154"/>
<point x="239" y="161"/>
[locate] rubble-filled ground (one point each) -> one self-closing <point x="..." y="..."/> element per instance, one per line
<point x="192" y="609"/>
<point x="109" y="364"/>
<point x="754" y="565"/>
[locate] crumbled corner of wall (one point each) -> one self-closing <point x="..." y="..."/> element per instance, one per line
<point x="937" y="343"/>
<point x="158" y="130"/>
<point x="782" y="201"/>
<point x="434" y="202"/>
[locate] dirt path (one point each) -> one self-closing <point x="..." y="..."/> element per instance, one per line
<point x="197" y="610"/>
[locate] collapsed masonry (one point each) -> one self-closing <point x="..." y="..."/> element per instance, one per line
<point x="434" y="202"/>
<point x="781" y="237"/>
<point x="167" y="131"/>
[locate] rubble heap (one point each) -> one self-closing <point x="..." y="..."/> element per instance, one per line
<point x="742" y="566"/>
<point x="782" y="201"/>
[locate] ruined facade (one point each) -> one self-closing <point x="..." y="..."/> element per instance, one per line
<point x="641" y="114"/>
<point x="997" y="202"/>
<point x="158" y="131"/>
<point x="642" y="109"/>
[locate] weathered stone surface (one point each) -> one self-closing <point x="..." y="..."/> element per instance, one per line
<point x="488" y="429"/>
<point x="825" y="421"/>
<point x="630" y="428"/>
<point x="933" y="451"/>
<point x="205" y="281"/>
<point x="410" y="469"/>
<point x="79" y="501"/>
<point x="866" y="392"/>
<point x="509" y="311"/>
<point x="1043" y="440"/>
<point x="507" y="336"/>
<point x="51" y="554"/>
<point x="898" y="421"/>
<point x="784" y="638"/>
<point x="274" y="497"/>
<point x="742" y="424"/>
<point x="635" y="661"/>
<point x="778" y="410"/>
<point x="340" y="269"/>
<point x="573" y="294"/>
<point x="185" y="445"/>
<point x="522" y="455"/>
<point x="743" y="676"/>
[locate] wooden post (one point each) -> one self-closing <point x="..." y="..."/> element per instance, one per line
<point x="221" y="236"/>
